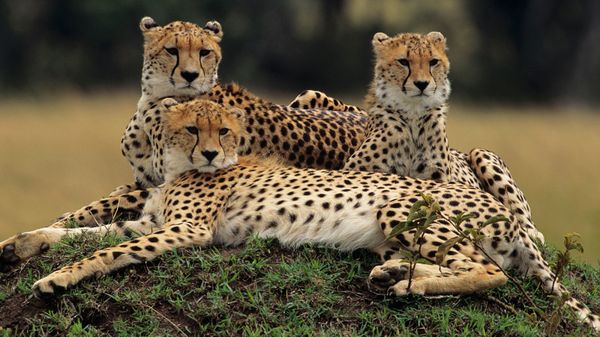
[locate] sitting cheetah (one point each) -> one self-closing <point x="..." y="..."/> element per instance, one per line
<point x="181" y="61"/>
<point x="406" y="132"/>
<point x="210" y="198"/>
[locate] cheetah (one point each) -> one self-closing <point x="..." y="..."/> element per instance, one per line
<point x="406" y="131"/>
<point x="181" y="61"/>
<point x="213" y="196"/>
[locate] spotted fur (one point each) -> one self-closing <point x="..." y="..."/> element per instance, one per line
<point x="311" y="99"/>
<point x="210" y="199"/>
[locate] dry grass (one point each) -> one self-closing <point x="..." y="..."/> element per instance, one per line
<point x="61" y="152"/>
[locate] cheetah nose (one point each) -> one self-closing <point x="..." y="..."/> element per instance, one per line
<point x="210" y="155"/>
<point x="189" y="76"/>
<point x="421" y="84"/>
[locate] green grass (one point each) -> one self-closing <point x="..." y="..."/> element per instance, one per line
<point x="262" y="289"/>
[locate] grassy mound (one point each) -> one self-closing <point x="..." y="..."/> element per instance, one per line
<point x="264" y="289"/>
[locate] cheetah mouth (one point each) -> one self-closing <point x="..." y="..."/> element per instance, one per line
<point x="207" y="168"/>
<point x="188" y="86"/>
<point x="421" y="95"/>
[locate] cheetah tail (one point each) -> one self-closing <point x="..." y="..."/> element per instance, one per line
<point x="531" y="262"/>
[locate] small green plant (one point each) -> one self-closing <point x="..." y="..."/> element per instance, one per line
<point x="563" y="261"/>
<point x="571" y="243"/>
<point x="421" y="215"/>
<point x="425" y="211"/>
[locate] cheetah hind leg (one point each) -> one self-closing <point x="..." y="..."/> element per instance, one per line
<point x="145" y="248"/>
<point x="463" y="270"/>
<point x="122" y="189"/>
<point x="312" y="99"/>
<point x="497" y="180"/>
<point x="458" y="274"/>
<point x="458" y="283"/>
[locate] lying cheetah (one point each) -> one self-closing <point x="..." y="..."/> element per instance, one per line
<point x="181" y="61"/>
<point x="406" y="132"/>
<point x="211" y="198"/>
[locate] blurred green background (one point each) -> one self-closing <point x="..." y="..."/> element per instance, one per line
<point x="525" y="78"/>
<point x="508" y="51"/>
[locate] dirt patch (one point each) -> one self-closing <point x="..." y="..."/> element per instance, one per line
<point x="17" y="308"/>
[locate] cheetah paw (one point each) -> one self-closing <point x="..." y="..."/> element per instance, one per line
<point x="401" y="288"/>
<point x="21" y="247"/>
<point x="51" y="285"/>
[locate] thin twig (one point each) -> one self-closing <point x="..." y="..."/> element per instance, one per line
<point x="502" y="304"/>
<point x="511" y="278"/>
<point x="165" y="318"/>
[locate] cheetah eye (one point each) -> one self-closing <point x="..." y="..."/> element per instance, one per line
<point x="192" y="129"/>
<point x="223" y="131"/>
<point x="403" y="62"/>
<point x="172" y="51"/>
<point x="204" y="52"/>
<point x="433" y="62"/>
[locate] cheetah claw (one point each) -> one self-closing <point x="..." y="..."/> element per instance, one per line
<point x="383" y="277"/>
<point x="8" y="258"/>
<point x="48" y="288"/>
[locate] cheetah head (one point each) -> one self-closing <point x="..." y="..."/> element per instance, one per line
<point x="200" y="135"/>
<point x="180" y="58"/>
<point x="411" y="71"/>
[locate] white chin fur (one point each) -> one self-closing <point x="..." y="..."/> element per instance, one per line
<point x="175" y="164"/>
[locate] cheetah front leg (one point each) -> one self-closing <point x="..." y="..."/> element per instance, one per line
<point x="496" y="179"/>
<point x="107" y="209"/>
<point x="142" y="249"/>
<point x="312" y="99"/>
<point x="25" y="245"/>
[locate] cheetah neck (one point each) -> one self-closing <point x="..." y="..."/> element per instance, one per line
<point x="417" y="141"/>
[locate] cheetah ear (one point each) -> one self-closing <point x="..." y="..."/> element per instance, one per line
<point x="379" y="40"/>
<point x="215" y="28"/>
<point x="438" y="40"/>
<point x="168" y="102"/>
<point x="147" y="23"/>
<point x="239" y="114"/>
